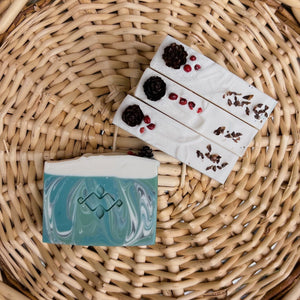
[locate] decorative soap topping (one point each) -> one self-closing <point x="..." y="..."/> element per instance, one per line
<point x="191" y="105"/>
<point x="235" y="136"/>
<point x="146" y="124"/>
<point x="174" y="56"/>
<point x="133" y="115"/>
<point x="187" y="68"/>
<point x="147" y="119"/>
<point x="154" y="88"/>
<point x="151" y="126"/>
<point x="173" y="96"/>
<point x="238" y="100"/>
<point x="213" y="157"/>
<point x="219" y="130"/>
<point x="197" y="67"/>
<point x="260" y="109"/>
<point x="182" y="101"/>
<point x="146" y="151"/>
<point x="199" y="154"/>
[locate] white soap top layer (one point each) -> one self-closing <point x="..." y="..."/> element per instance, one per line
<point x="204" y="117"/>
<point x="121" y="166"/>
<point x="179" y="141"/>
<point x="218" y="85"/>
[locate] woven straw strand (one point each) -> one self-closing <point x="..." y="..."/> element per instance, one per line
<point x="63" y="73"/>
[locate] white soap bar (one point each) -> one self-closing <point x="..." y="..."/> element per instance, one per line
<point x="104" y="165"/>
<point x="213" y="82"/>
<point x="177" y="140"/>
<point x="199" y="114"/>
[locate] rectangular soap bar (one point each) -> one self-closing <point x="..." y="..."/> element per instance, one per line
<point x="213" y="82"/>
<point x="174" y="139"/>
<point x="100" y="200"/>
<point x="198" y="114"/>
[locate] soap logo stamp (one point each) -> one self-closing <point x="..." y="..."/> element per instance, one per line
<point x="94" y="202"/>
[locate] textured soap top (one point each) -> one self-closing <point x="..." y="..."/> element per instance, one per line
<point x="87" y="202"/>
<point x="121" y="166"/>
<point x="213" y="82"/>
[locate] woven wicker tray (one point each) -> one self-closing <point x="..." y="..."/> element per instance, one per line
<point x="64" y="71"/>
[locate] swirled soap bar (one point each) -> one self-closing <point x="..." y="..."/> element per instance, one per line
<point x="100" y="200"/>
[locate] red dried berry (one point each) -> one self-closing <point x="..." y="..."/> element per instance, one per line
<point x="199" y="110"/>
<point x="193" y="58"/>
<point x="182" y="101"/>
<point x="191" y="104"/>
<point x="142" y="129"/>
<point x="173" y="96"/>
<point x="187" y="68"/>
<point x="147" y="120"/>
<point x="197" y="67"/>
<point x="131" y="153"/>
<point x="151" y="126"/>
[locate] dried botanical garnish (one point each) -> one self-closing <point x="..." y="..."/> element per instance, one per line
<point x="133" y="115"/>
<point x="154" y="88"/>
<point x="245" y="103"/>
<point x="235" y="136"/>
<point x="151" y="126"/>
<point x="215" y="167"/>
<point x="174" y="56"/>
<point x="248" y="97"/>
<point x="146" y="151"/>
<point x="215" y="158"/>
<point x="258" y="112"/>
<point x="219" y="130"/>
<point x="200" y="154"/>
<point x="238" y="101"/>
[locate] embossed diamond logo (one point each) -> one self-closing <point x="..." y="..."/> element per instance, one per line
<point x="94" y="203"/>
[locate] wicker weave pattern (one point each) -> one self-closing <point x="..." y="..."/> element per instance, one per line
<point x="63" y="73"/>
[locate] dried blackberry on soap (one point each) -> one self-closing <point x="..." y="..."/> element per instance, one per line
<point x="132" y="115"/>
<point x="174" y="56"/>
<point x="146" y="151"/>
<point x="154" y="88"/>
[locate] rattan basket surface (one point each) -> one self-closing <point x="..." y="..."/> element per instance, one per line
<point x="64" y="71"/>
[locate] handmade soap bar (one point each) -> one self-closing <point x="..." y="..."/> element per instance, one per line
<point x="175" y="139"/>
<point x="213" y="82"/>
<point x="100" y="200"/>
<point x="195" y="112"/>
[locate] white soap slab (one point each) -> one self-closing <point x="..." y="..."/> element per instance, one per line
<point x="206" y="121"/>
<point x="178" y="141"/>
<point x="215" y="83"/>
<point x="121" y="166"/>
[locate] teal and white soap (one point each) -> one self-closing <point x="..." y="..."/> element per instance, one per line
<point x="100" y="200"/>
